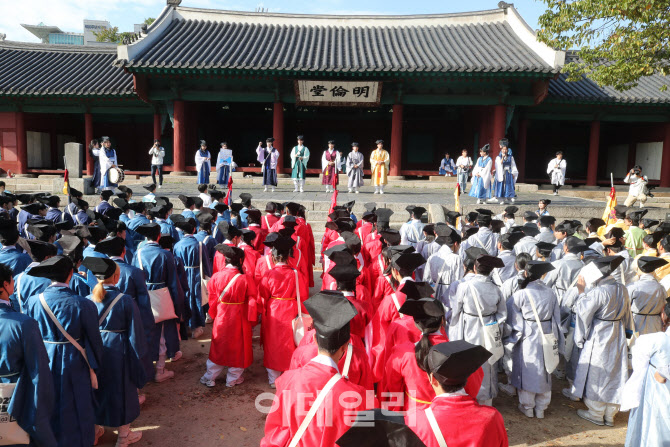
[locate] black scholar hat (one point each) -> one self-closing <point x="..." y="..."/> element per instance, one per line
<point x="331" y="312"/>
<point x="453" y="362"/>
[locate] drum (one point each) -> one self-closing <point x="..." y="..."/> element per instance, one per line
<point x="115" y="175"/>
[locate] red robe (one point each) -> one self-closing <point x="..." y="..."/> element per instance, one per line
<point x="264" y="264"/>
<point x="383" y="288"/>
<point x="296" y="391"/>
<point x="261" y="234"/>
<point x="268" y="221"/>
<point x="251" y="257"/>
<point x="220" y="260"/>
<point x="386" y="313"/>
<point x="463" y="423"/>
<point x="277" y="296"/>
<point x="359" y="370"/>
<point x="233" y="318"/>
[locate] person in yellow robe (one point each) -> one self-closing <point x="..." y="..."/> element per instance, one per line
<point x="379" y="163"/>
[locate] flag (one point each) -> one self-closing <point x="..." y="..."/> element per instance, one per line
<point x="610" y="213"/>
<point x="66" y="183"/>
<point x="230" y="190"/>
<point x="333" y="202"/>
<point x="457" y="201"/>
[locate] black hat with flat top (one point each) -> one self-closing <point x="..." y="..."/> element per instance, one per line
<point x="407" y="261"/>
<point x="648" y="264"/>
<point x="545" y="248"/>
<point x="331" y="312"/>
<point x="379" y="428"/>
<point x="40" y="249"/>
<point x="55" y="268"/>
<point x="102" y="268"/>
<point x="344" y="271"/>
<point x="453" y="362"/>
<point x="112" y="246"/>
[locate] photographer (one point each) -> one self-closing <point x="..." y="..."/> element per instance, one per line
<point x="638" y="186"/>
<point x="157" y="153"/>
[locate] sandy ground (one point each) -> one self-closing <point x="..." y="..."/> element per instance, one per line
<point x="183" y="412"/>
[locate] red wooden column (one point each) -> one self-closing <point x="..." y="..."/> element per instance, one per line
<point x="665" y="160"/>
<point x="157" y="126"/>
<point x="396" y="141"/>
<point x="499" y="123"/>
<point x="520" y="153"/>
<point x="278" y="133"/>
<point x="21" y="144"/>
<point x="88" y="132"/>
<point x="594" y="146"/>
<point x="179" y="154"/>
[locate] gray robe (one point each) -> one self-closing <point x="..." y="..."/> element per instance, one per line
<point x="411" y="233"/>
<point x="465" y="323"/>
<point x="441" y="270"/>
<point x="647" y="298"/>
<point x="528" y="370"/>
<point x="485" y="239"/>
<point x="602" y="317"/>
<point x="624" y="274"/>
<point x="502" y="274"/>
<point x="561" y="278"/>
<point x="526" y="245"/>
<point x="546" y="235"/>
<point x="557" y="253"/>
<point x="355" y="174"/>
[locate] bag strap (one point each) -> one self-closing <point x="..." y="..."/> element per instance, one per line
<point x="17" y="287"/>
<point x="267" y="261"/>
<point x="436" y="428"/>
<point x="267" y="224"/>
<point x="109" y="308"/>
<point x="297" y="293"/>
<point x="230" y="284"/>
<point x="71" y="339"/>
<point x="347" y="361"/>
<point x="200" y="256"/>
<point x="312" y="411"/>
<point x="537" y="317"/>
<point x="139" y="258"/>
<point x="477" y="304"/>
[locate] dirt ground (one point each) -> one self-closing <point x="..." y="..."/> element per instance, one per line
<point x="183" y="412"/>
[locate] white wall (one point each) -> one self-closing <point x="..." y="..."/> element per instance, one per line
<point x="649" y="155"/>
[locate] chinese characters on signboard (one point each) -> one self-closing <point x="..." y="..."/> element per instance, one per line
<point x="338" y="93"/>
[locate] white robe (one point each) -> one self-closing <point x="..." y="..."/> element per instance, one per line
<point x="500" y="172"/>
<point x="556" y="169"/>
<point x="338" y="160"/>
<point x="105" y="163"/>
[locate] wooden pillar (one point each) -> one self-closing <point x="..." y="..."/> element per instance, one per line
<point x="179" y="144"/>
<point x="665" y="160"/>
<point x="396" y="141"/>
<point x="278" y="133"/>
<point x="594" y="146"/>
<point x="499" y="124"/>
<point x="21" y="144"/>
<point x="520" y="153"/>
<point x="88" y="132"/>
<point x="157" y="126"/>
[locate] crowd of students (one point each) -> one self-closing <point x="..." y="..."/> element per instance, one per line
<point x="417" y="321"/>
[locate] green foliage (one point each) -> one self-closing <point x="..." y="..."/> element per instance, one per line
<point x="111" y="35"/>
<point x="619" y="41"/>
<point x="148" y="21"/>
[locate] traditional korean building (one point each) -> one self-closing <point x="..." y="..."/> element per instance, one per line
<point x="426" y="84"/>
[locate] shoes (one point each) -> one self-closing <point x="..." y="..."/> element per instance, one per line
<point x="376" y="191"/>
<point x="131" y="438"/>
<point x="507" y="389"/>
<point x="301" y="190"/>
<point x="177" y="355"/>
<point x="609" y="422"/>
<point x="208" y="383"/>
<point x="567" y="392"/>
<point x="265" y="189"/>
<point x="502" y="202"/>
<point x="559" y="374"/>
<point x="356" y="191"/>
<point x="237" y="382"/>
<point x="197" y="333"/>
<point x="350" y="191"/>
<point x="479" y="202"/>
<point x="99" y="431"/>
<point x="141" y="398"/>
<point x="527" y="413"/>
<point x="381" y="192"/>
<point x="539" y="414"/>
<point x="513" y="199"/>
<point x="492" y="200"/>
<point x="163" y="375"/>
<point x="159" y="187"/>
<point x="555" y="193"/>
<point x="208" y="319"/>
<point x="296" y="190"/>
<point x="273" y="190"/>
<point x="584" y="414"/>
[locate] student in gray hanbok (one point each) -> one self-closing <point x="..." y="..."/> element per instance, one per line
<point x="506" y="254"/>
<point x="614" y="245"/>
<point x="484" y="238"/>
<point x="527" y="244"/>
<point x="466" y="324"/>
<point x="411" y="232"/>
<point x="355" y="161"/>
<point x="529" y="374"/>
<point x="472" y="254"/>
<point x="566" y="269"/>
<point x="647" y="296"/>
<point x="444" y="267"/>
<point x="423" y="246"/>
<point x="602" y="324"/>
<point x="546" y="234"/>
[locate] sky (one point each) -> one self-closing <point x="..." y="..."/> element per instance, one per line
<point x="68" y="15"/>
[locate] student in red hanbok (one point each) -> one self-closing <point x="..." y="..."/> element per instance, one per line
<point x="298" y="258"/>
<point x="278" y="292"/>
<point x="232" y="306"/>
<point x="345" y="274"/>
<point x="254" y="221"/>
<point x="251" y="256"/>
<point x="460" y="420"/>
<point x="231" y="237"/>
<point x="270" y="217"/>
<point x="385" y="284"/>
<point x="297" y="389"/>
<point x="378" y="264"/>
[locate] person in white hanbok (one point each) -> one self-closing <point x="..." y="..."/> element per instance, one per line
<point x="330" y="167"/>
<point x="299" y="159"/>
<point x="444" y="267"/>
<point x="532" y="302"/>
<point x="556" y="170"/>
<point x="203" y="163"/>
<point x="466" y="324"/>
<point x="567" y="268"/>
<point x="224" y="164"/>
<point x="411" y="232"/>
<point x="547" y="225"/>
<point x="484" y="238"/>
<point x="647" y="296"/>
<point x="107" y="160"/>
<point x="506" y="253"/>
<point x="481" y="177"/>
<point x="603" y="321"/>
<point x="355" y="162"/>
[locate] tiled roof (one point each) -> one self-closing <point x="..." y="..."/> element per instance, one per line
<point x="51" y="70"/>
<point x="227" y="40"/>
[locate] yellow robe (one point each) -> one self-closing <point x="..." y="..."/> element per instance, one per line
<point x="379" y="172"/>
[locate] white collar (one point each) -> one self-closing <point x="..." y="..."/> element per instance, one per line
<point x="325" y="360"/>
<point x="9" y="247"/>
<point x="280" y="263"/>
<point x="32" y="264"/>
<point x="349" y="293"/>
<point x="406" y="278"/>
<point x="116" y="258"/>
<point x="59" y="284"/>
<point x="230" y="266"/>
<point x="460" y="392"/>
<point x="254" y="225"/>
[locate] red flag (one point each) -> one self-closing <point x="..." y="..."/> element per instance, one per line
<point x="66" y="183"/>
<point x="333" y="202"/>
<point x="230" y="190"/>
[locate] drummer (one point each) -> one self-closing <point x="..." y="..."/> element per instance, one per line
<point x="107" y="157"/>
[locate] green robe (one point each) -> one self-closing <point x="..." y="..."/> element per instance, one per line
<point x="634" y="237"/>
<point x="299" y="166"/>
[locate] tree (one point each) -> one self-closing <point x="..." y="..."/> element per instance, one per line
<point x="148" y="21"/>
<point x="111" y="35"/>
<point x="619" y="41"/>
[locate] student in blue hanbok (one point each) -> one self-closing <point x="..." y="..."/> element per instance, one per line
<point x="167" y="243"/>
<point x="189" y="205"/>
<point x="140" y="218"/>
<point x="160" y="215"/>
<point x="26" y="285"/>
<point x="160" y="273"/>
<point x="245" y="200"/>
<point x="107" y="157"/>
<point x="125" y="209"/>
<point x="96" y="233"/>
<point x="73" y="419"/>
<point x="481" y="176"/>
<point x="104" y="204"/>
<point x="34" y="211"/>
<point x="224" y="164"/>
<point x="9" y="254"/>
<point x="203" y="163"/>
<point x="123" y="348"/>
<point x="217" y="197"/>
<point x="54" y="214"/>
<point x="80" y="216"/>
<point x="151" y="197"/>
<point x="131" y="282"/>
<point x="204" y="233"/>
<point x="268" y="157"/>
<point x="196" y="262"/>
<point x="505" y="175"/>
<point x="24" y="362"/>
<point x="224" y="213"/>
<point x="447" y="166"/>
<point x="647" y="392"/>
<point x="73" y="248"/>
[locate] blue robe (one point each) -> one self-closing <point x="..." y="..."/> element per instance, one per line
<point x="89" y="252"/>
<point x="23" y="219"/>
<point x="188" y="250"/>
<point x="243" y="218"/>
<point x="159" y="271"/>
<point x="479" y="188"/>
<point x="14" y="213"/>
<point x="139" y="219"/>
<point x="121" y="372"/>
<point x="26" y="286"/>
<point x="14" y="259"/>
<point x="103" y="207"/>
<point x="210" y="243"/>
<point x="131" y="237"/>
<point x="182" y="280"/>
<point x="59" y="248"/>
<point x="131" y="282"/>
<point x="167" y="227"/>
<point x="353" y="217"/>
<point x="55" y="215"/>
<point x="505" y="189"/>
<point x="205" y="168"/>
<point x="73" y="418"/>
<point x="81" y="218"/>
<point x="24" y="361"/>
<point x="124" y="218"/>
<point x="79" y="285"/>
